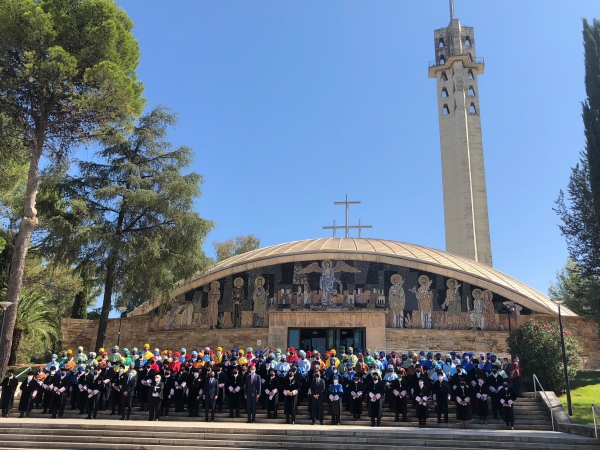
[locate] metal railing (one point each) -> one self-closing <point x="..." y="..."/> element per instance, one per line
<point x="594" y="409"/>
<point x="536" y="379"/>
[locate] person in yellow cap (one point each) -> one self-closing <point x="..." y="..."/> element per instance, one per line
<point x="219" y="355"/>
<point x="70" y="362"/>
<point x="241" y="359"/>
<point x="147" y="353"/>
<point x="332" y="360"/>
<point x="100" y="352"/>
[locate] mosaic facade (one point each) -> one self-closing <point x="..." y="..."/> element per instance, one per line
<point x="411" y="298"/>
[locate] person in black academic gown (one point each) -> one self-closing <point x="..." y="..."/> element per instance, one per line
<point x="376" y="393"/>
<point x="507" y="399"/>
<point x="421" y="397"/>
<point x="441" y="395"/>
<point x="356" y="390"/>
<point x="400" y="391"/>
<point x="291" y="388"/>
<point x="29" y="388"/>
<point x="272" y="389"/>
<point x="481" y="392"/>
<point x="462" y="395"/>
<point x="61" y="389"/>
<point x="235" y="386"/>
<point x="9" y="386"/>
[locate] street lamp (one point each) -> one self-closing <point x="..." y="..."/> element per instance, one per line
<point x="511" y="308"/>
<point x="122" y="310"/>
<point x="559" y="302"/>
<point x="4" y="305"/>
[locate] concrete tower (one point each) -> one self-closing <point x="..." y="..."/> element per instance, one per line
<point x="456" y="68"/>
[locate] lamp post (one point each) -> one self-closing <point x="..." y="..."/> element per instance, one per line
<point x="4" y="305"/>
<point x="564" y="357"/>
<point x="122" y="310"/>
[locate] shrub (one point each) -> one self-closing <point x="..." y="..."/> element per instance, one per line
<point x="537" y="344"/>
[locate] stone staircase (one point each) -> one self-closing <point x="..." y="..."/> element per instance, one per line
<point x="69" y="434"/>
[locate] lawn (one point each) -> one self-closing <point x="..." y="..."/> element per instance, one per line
<point x="585" y="390"/>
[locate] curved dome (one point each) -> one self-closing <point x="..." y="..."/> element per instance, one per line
<point x="383" y="251"/>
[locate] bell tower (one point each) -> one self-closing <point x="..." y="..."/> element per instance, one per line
<point x="456" y="69"/>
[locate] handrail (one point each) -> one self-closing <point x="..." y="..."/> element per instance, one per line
<point x="535" y="378"/>
<point x="594" y="409"/>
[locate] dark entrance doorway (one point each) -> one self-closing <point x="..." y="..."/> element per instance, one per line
<point x="323" y="339"/>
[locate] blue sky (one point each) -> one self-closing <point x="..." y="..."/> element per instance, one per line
<point x="290" y="105"/>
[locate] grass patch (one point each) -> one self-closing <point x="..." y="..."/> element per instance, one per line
<point x="585" y="390"/>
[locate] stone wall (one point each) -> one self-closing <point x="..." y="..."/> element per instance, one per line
<point x="446" y="341"/>
<point x="135" y="333"/>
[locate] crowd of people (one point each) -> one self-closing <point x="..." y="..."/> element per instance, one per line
<point x="359" y="382"/>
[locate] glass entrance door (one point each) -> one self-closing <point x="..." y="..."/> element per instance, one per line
<point x="323" y="339"/>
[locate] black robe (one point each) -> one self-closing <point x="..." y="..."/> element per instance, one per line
<point x="463" y="412"/>
<point x="28" y="387"/>
<point x="9" y="387"/>
<point x="376" y="406"/>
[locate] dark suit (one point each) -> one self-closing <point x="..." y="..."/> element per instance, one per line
<point x="252" y="392"/>
<point x="317" y="387"/>
<point x="211" y="393"/>
<point x="155" y="396"/>
<point x="127" y="385"/>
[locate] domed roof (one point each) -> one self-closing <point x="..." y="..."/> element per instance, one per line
<point x="382" y="251"/>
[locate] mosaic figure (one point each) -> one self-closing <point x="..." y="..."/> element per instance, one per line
<point x="214" y="295"/>
<point x="476" y="315"/>
<point x="170" y="322"/>
<point x="452" y="302"/>
<point x="489" y="314"/>
<point x="328" y="280"/>
<point x="260" y="300"/>
<point x="237" y="300"/>
<point x="397" y="301"/>
<point x="424" y="300"/>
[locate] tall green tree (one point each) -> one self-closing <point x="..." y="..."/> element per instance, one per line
<point x="68" y="69"/>
<point x="591" y="107"/>
<point x="237" y="246"/>
<point x="580" y="293"/>
<point x="579" y="225"/>
<point x="137" y="222"/>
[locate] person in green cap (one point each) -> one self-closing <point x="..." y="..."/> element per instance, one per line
<point x="128" y="359"/>
<point x="63" y="358"/>
<point x="367" y="357"/>
<point x="115" y="356"/>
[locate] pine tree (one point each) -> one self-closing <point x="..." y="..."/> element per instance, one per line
<point x="68" y="69"/>
<point x="136" y="218"/>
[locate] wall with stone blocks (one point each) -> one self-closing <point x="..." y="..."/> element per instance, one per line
<point x="134" y="333"/>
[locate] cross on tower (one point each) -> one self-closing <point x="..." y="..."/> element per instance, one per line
<point x="347" y="226"/>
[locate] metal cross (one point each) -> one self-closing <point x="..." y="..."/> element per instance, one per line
<point x="360" y="227"/>
<point x="334" y="227"/>
<point x="347" y="203"/>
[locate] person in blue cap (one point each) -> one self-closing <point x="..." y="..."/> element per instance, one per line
<point x="427" y="363"/>
<point x="52" y="364"/>
<point x="336" y="392"/>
